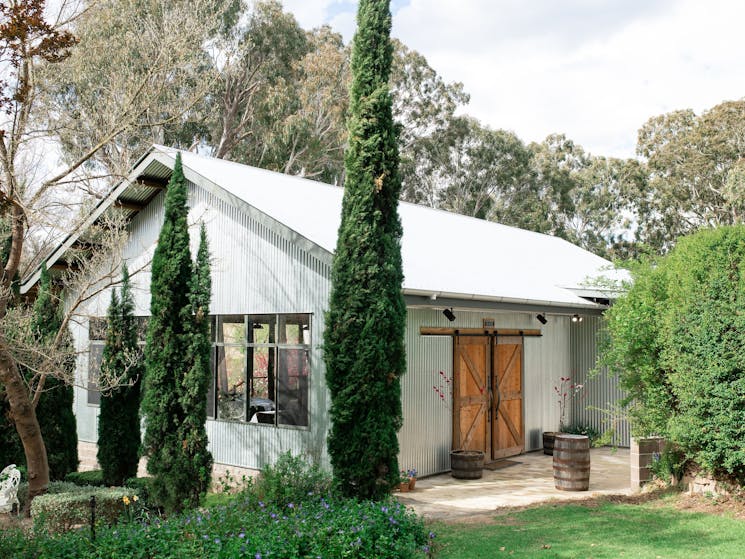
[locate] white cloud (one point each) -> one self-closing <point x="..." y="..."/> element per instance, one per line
<point x="593" y="69"/>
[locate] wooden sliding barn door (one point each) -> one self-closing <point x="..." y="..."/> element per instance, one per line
<point x="487" y="395"/>
<point x="508" y="437"/>
<point x="471" y="377"/>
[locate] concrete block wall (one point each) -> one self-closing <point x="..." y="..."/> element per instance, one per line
<point x="641" y="456"/>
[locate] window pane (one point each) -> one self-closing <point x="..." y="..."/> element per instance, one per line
<point x="262" y="328"/>
<point x="294" y="329"/>
<point x="293" y="371"/>
<point x="231" y="383"/>
<point x="95" y="355"/>
<point x="231" y="330"/>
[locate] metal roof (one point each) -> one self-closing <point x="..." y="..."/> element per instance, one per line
<point x="445" y="255"/>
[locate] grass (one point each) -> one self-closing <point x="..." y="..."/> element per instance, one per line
<point x="599" y="530"/>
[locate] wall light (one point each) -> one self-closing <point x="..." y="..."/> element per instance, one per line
<point x="576" y="318"/>
<point x="542" y="318"/>
<point x="449" y="314"/>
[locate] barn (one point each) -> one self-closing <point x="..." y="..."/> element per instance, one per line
<point x="495" y="317"/>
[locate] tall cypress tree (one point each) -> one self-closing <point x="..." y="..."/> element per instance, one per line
<point x="167" y="346"/>
<point x="54" y="410"/>
<point x="119" y="419"/>
<point x="364" y="339"/>
<point x="196" y="460"/>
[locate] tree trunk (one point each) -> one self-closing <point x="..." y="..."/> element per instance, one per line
<point x="23" y="414"/>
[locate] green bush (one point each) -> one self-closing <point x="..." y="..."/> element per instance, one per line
<point x="142" y="486"/>
<point x="92" y="477"/>
<point x="669" y="465"/>
<point x="676" y="340"/>
<point x="290" y="480"/>
<point x="63" y="511"/>
<point x="246" y="527"/>
<point x="587" y="430"/>
<point x="53" y="488"/>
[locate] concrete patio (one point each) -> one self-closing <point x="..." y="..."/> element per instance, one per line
<point x="527" y="481"/>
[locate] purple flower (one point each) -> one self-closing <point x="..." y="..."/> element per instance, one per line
<point x="384" y="509"/>
<point x="425" y="548"/>
<point x="290" y="505"/>
<point x="261" y="504"/>
<point x="257" y="556"/>
<point x="273" y="515"/>
<point x="242" y="535"/>
<point x="432" y="535"/>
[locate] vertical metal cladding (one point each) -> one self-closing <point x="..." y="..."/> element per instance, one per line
<point x="597" y="406"/>
<point x="255" y="269"/>
<point x="426" y="436"/>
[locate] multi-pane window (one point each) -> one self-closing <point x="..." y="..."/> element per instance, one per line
<point x="262" y="369"/>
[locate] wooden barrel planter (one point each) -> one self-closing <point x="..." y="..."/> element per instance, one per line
<point x="572" y="462"/>
<point x="466" y="464"/>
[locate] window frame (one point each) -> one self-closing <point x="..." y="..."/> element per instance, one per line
<point x="274" y="347"/>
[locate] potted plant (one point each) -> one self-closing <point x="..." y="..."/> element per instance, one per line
<point x="565" y="391"/>
<point x="403" y="482"/>
<point x="411" y="473"/>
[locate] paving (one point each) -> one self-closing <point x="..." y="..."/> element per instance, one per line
<point x="524" y="480"/>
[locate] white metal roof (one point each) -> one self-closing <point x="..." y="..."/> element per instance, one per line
<point x="444" y="254"/>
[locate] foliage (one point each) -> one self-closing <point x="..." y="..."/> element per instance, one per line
<point x="54" y="488"/>
<point x="91" y="477"/>
<point x="694" y="165"/>
<point x="245" y="527"/>
<point x="54" y="409"/>
<point x="586" y="430"/>
<point x="119" y="418"/>
<point x="166" y="347"/>
<point x="364" y="349"/>
<point x="676" y="341"/>
<point x="62" y="511"/>
<point x="177" y="360"/>
<point x="600" y="530"/>
<point x="669" y="465"/>
<point x="291" y="480"/>
<point x="195" y="461"/>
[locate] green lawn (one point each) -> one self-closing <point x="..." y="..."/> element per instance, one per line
<point x="597" y="531"/>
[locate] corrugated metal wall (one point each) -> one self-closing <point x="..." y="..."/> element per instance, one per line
<point x="596" y="406"/>
<point x="425" y="439"/>
<point x="254" y="270"/>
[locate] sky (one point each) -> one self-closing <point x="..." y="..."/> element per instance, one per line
<point x="595" y="70"/>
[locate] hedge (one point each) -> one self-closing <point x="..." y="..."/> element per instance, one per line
<point x="62" y="511"/>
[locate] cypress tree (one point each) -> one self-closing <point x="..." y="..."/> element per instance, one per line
<point x="54" y="410"/>
<point x="119" y="419"/>
<point x="196" y="460"/>
<point x="364" y="339"/>
<point x="167" y="346"/>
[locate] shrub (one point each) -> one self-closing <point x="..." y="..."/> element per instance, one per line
<point x="677" y="339"/>
<point x="53" y="488"/>
<point x="670" y="465"/>
<point x="587" y="430"/>
<point x="92" y="477"/>
<point x="62" y="511"/>
<point x="290" y="480"/>
<point x="245" y="528"/>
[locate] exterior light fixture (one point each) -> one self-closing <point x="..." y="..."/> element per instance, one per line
<point x="542" y="318"/>
<point x="449" y="314"/>
<point x="257" y="326"/>
<point x="576" y="318"/>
